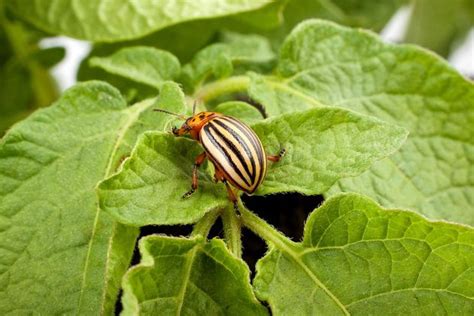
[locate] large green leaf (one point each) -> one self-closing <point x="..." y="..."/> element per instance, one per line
<point x="143" y="64"/>
<point x="108" y="21"/>
<point x="59" y="253"/>
<point x="321" y="62"/>
<point x="179" y="276"/>
<point x="357" y="258"/>
<point x="323" y="145"/>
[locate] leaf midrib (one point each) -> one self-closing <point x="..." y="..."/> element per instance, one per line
<point x="186" y="277"/>
<point x="408" y="290"/>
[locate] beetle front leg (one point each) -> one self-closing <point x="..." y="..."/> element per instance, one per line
<point x="197" y="163"/>
<point x="276" y="158"/>
<point x="179" y="131"/>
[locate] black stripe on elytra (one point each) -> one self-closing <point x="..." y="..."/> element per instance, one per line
<point x="250" y="135"/>
<point x="234" y="149"/>
<point x="256" y="144"/>
<point x="225" y="153"/>
<point x="242" y="143"/>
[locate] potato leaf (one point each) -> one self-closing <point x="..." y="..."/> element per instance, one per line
<point x="179" y="276"/>
<point x="323" y="145"/>
<point x="322" y="63"/>
<point x="59" y="253"/>
<point x="109" y="21"/>
<point x="142" y="64"/>
<point x="359" y="259"/>
<point x="218" y="59"/>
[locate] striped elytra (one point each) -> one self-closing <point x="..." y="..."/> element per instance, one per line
<point x="236" y="150"/>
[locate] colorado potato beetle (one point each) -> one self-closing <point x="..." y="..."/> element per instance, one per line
<point x="234" y="149"/>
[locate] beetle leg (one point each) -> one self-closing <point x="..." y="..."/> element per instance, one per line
<point x="276" y="158"/>
<point x="197" y="163"/>
<point x="219" y="176"/>
<point x="232" y="196"/>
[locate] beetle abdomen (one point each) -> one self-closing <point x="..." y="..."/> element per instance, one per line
<point x="235" y="149"/>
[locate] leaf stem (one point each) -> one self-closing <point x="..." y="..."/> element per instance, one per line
<point x="264" y="230"/>
<point x="221" y="87"/>
<point x="203" y="226"/>
<point x="232" y="231"/>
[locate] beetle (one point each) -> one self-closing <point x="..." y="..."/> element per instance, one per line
<point x="233" y="148"/>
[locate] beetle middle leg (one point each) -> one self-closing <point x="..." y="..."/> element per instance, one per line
<point x="197" y="163"/>
<point x="219" y="176"/>
<point x="276" y="158"/>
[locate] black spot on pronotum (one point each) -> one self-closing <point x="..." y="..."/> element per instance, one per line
<point x="202" y="116"/>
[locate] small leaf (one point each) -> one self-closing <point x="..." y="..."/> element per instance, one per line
<point x="323" y="63"/>
<point x="218" y="59"/>
<point x="323" y="145"/>
<point x="179" y="276"/>
<point x="59" y="253"/>
<point x="240" y="110"/>
<point x="359" y="259"/>
<point x="150" y="186"/>
<point x="142" y="64"/>
<point x="118" y="20"/>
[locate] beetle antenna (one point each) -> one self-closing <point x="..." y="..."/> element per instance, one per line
<point x="171" y="113"/>
<point x="194" y="107"/>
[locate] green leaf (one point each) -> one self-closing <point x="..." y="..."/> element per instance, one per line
<point x="59" y="253"/>
<point x="149" y="188"/>
<point x="108" y="21"/>
<point x="323" y="145"/>
<point x="241" y="110"/>
<point x="426" y="30"/>
<point x="179" y="276"/>
<point x="321" y="62"/>
<point x="142" y="64"/>
<point x="360" y="259"/>
<point x="218" y="60"/>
